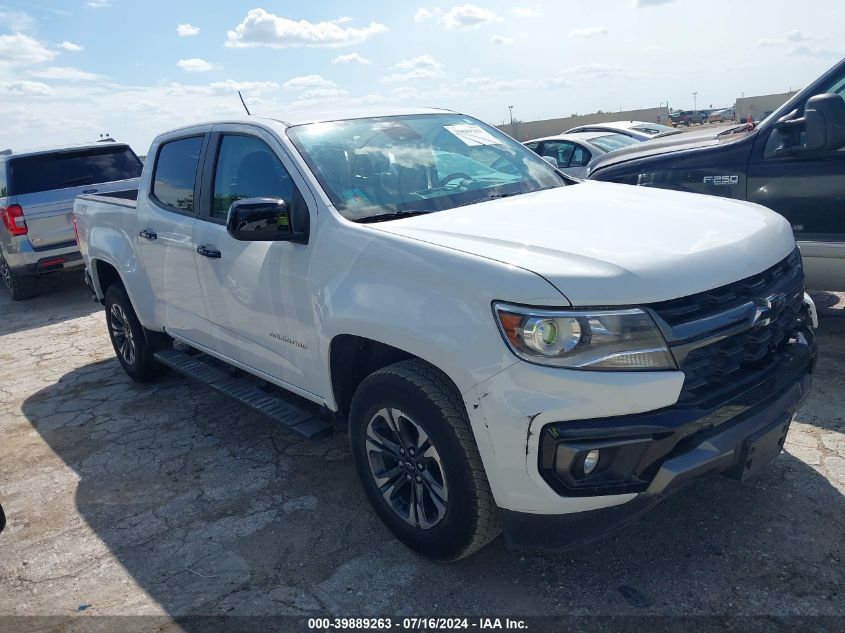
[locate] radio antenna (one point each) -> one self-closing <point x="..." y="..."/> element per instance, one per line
<point x="243" y="103"/>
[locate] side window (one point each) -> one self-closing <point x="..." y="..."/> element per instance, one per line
<point x="248" y="168"/>
<point x="560" y="151"/>
<point x="176" y="172"/>
<point x="580" y="157"/>
<point x="532" y="146"/>
<point x="3" y="190"/>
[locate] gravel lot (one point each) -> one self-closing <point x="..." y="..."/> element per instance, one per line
<point x="170" y="500"/>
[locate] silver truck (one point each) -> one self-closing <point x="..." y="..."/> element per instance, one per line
<point x="37" y="189"/>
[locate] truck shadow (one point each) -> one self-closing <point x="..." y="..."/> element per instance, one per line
<point x="214" y="511"/>
<point x="62" y="296"/>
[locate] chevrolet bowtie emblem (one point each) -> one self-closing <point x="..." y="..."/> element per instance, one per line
<point x="768" y="309"/>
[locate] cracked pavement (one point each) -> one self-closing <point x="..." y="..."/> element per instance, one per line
<point x="168" y="499"/>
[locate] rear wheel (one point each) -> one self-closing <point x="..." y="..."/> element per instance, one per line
<point x="128" y="337"/>
<point x="19" y="286"/>
<point x="418" y="462"/>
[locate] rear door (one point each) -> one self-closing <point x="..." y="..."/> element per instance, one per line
<point x="166" y="218"/>
<point x="257" y="293"/>
<point x="809" y="190"/>
<point x="45" y="185"/>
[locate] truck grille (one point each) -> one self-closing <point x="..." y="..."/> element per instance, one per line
<point x="694" y="307"/>
<point x="720" y="370"/>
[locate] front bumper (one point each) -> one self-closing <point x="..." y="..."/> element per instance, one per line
<point x="685" y="444"/>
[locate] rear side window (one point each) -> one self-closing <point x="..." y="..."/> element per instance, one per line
<point x="3" y="192"/>
<point x="176" y="173"/>
<point x="61" y="170"/>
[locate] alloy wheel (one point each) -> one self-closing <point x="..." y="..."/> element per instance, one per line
<point x="407" y="468"/>
<point x="124" y="340"/>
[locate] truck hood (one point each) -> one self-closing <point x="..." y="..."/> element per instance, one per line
<point x="608" y="244"/>
<point x="663" y="145"/>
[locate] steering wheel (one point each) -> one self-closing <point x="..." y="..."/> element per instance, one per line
<point x="458" y="174"/>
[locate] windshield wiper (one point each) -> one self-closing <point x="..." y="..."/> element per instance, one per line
<point x="393" y="215"/>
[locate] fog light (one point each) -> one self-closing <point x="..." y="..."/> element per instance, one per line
<point x="591" y="461"/>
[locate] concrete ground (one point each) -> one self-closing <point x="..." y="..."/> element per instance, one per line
<point x="168" y="499"/>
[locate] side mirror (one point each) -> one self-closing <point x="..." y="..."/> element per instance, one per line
<point x="825" y="123"/>
<point x="551" y="160"/>
<point x="262" y="220"/>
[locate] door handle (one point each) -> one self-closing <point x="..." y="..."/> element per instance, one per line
<point x="147" y="234"/>
<point x="208" y="251"/>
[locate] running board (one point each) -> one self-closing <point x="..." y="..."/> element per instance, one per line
<point x="246" y="389"/>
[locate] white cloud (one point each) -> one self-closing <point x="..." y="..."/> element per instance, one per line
<point x="187" y="30"/>
<point x="798" y="36"/>
<point x="593" y="71"/>
<point x="195" y="65"/>
<point x="423" y="14"/>
<point x="98" y="4"/>
<point x="422" y="67"/>
<point x="525" y="12"/>
<point x="769" y="41"/>
<point x="501" y="40"/>
<point x="467" y="17"/>
<point x="22" y="49"/>
<point x="16" y="21"/>
<point x="64" y="73"/>
<point x="800" y="50"/>
<point x="230" y="85"/>
<point x="791" y="37"/>
<point x="352" y="58"/>
<point x="308" y="82"/>
<point x="25" y="88"/>
<point x="590" y="31"/>
<point x="261" y="28"/>
<point x="70" y="46"/>
<point x="642" y="4"/>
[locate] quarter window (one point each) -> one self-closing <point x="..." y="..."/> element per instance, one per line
<point x="248" y="168"/>
<point x="176" y="173"/>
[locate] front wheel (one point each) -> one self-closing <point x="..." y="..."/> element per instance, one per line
<point x="418" y="462"/>
<point x="129" y="338"/>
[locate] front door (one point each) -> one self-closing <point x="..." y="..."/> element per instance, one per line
<point x="165" y="233"/>
<point x="809" y="190"/>
<point x="257" y="293"/>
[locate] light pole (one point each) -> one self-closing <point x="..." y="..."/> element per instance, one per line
<point x="695" y="101"/>
<point x="510" y="108"/>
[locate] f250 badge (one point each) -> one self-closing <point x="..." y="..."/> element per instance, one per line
<point x="721" y="180"/>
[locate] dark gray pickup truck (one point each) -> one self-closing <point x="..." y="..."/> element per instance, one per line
<point x="792" y="162"/>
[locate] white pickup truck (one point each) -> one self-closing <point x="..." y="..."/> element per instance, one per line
<point x="513" y="350"/>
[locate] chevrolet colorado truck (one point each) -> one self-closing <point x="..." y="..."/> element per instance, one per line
<point x="792" y="162"/>
<point x="512" y="349"/>
<point x="37" y="190"/>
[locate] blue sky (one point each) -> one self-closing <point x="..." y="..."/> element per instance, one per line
<point x="73" y="69"/>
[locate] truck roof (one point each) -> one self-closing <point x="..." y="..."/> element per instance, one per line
<point x="8" y="154"/>
<point x="318" y="116"/>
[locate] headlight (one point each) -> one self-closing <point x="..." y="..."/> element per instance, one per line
<point x="622" y="340"/>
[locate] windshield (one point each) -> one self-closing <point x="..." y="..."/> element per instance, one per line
<point x="378" y="167"/>
<point x="653" y="128"/>
<point x="612" y="141"/>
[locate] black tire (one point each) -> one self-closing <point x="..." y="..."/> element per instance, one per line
<point x="20" y="287"/>
<point x="430" y="402"/>
<point x="128" y="337"/>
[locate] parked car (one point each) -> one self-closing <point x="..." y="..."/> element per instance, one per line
<point x="719" y="116"/>
<point x="37" y="189"/>
<point x="792" y="162"/>
<point x="638" y="130"/>
<point x="572" y="153"/>
<point x="510" y="347"/>
<point x="688" y="117"/>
